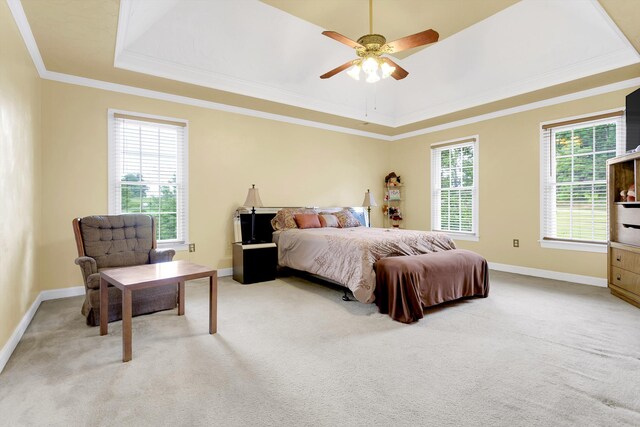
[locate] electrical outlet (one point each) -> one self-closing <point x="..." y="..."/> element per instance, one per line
<point x="516" y="243"/>
<point x="192" y="247"/>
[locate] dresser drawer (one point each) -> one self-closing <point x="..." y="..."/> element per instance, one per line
<point x="626" y="280"/>
<point x="627" y="233"/>
<point x="626" y="260"/>
<point x="626" y="215"/>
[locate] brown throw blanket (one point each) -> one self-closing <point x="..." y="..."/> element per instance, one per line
<point x="405" y="285"/>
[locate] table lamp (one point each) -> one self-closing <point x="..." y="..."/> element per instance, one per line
<point x="253" y="201"/>
<point x="367" y="203"/>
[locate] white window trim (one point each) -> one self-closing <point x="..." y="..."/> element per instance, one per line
<point x="113" y="199"/>
<point x="574" y="246"/>
<point x="452" y="143"/>
<point x="471" y="237"/>
<point x="564" y="244"/>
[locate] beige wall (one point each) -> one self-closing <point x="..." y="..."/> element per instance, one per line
<point x="291" y="165"/>
<point x="509" y="185"/>
<point x="20" y="92"/>
<point x="295" y="165"/>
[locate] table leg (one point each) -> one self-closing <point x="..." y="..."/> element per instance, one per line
<point x="213" y="303"/>
<point x="104" y="307"/>
<point x="181" y="298"/>
<point x="178" y="294"/>
<point x="126" y="325"/>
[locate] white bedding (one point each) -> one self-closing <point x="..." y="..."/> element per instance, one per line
<point x="347" y="255"/>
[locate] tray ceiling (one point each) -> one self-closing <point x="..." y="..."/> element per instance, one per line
<point x="268" y="55"/>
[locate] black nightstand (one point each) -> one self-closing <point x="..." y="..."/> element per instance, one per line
<point x="254" y="263"/>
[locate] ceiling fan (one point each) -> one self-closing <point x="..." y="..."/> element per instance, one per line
<point x="370" y="49"/>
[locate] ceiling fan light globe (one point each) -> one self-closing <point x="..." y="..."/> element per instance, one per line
<point x="370" y="65"/>
<point x="373" y="77"/>
<point x="387" y="70"/>
<point x="354" y="72"/>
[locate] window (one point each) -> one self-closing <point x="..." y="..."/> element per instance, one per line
<point x="148" y="170"/>
<point x="454" y="188"/>
<point x="574" y="180"/>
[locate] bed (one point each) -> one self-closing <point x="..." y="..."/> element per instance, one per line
<point x="407" y="281"/>
<point x="347" y="255"/>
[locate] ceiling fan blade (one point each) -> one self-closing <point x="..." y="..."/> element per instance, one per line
<point x="415" y="40"/>
<point x="399" y="73"/>
<point x="342" y="39"/>
<point x="336" y="70"/>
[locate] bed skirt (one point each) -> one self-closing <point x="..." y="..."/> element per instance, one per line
<point x="405" y="285"/>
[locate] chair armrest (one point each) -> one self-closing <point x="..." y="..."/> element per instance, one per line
<point x="161" y="255"/>
<point x="88" y="266"/>
<point x="93" y="282"/>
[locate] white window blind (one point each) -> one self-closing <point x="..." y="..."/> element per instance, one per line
<point x="454" y="187"/>
<point x="574" y="176"/>
<point x="148" y="171"/>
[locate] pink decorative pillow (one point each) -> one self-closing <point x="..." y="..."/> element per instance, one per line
<point x="328" y="220"/>
<point x="307" y="220"/>
<point x="346" y="219"/>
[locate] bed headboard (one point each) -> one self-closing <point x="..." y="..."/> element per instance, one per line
<point x="263" y="230"/>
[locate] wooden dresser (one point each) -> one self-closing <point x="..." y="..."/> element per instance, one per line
<point x="623" y="173"/>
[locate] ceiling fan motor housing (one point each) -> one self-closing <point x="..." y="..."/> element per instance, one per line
<point x="372" y="45"/>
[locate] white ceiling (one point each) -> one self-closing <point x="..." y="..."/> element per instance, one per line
<point x="250" y="48"/>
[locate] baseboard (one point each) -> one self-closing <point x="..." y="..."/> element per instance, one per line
<point x="223" y="272"/>
<point x="62" y="293"/>
<point x="15" y="338"/>
<point x="10" y="346"/>
<point x="548" y="274"/>
<point x="50" y="294"/>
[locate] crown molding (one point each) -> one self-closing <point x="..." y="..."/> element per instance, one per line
<point x="27" y="35"/>
<point x="577" y="71"/>
<point x="25" y="30"/>
<point x="600" y="90"/>
<point x="168" y="70"/>
<point x="624" y="55"/>
<point x="131" y="60"/>
<point x="136" y="51"/>
<point x="164" y="96"/>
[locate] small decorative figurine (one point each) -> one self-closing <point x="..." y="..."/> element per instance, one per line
<point x="392" y="180"/>
<point x="631" y="194"/>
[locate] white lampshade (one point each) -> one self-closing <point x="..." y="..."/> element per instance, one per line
<point x="354" y="72"/>
<point x="370" y="65"/>
<point x="372" y="78"/>
<point x="369" y="200"/>
<point x="387" y="70"/>
<point x="253" y="198"/>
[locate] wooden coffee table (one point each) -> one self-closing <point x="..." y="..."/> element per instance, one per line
<point x="129" y="279"/>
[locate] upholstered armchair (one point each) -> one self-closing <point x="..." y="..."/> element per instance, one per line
<point x="113" y="241"/>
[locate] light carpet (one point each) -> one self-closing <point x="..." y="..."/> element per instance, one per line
<point x="290" y="352"/>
